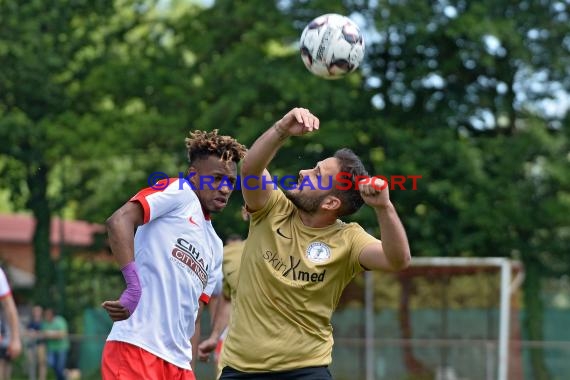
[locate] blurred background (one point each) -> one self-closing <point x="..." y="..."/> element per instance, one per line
<point x="472" y="96"/>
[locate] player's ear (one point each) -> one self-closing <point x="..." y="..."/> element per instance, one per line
<point x="190" y="169"/>
<point x="192" y="174"/>
<point x="331" y="203"/>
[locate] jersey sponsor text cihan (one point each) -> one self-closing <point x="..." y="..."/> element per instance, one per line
<point x="179" y="259"/>
<point x="291" y="279"/>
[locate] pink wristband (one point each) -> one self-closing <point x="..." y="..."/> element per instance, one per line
<point x="132" y="294"/>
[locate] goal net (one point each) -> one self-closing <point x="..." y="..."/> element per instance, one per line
<point x="442" y="319"/>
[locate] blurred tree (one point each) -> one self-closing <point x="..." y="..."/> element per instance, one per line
<point x="74" y="96"/>
<point x="491" y="72"/>
<point x="461" y="93"/>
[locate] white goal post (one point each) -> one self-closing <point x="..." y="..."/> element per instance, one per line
<point x="508" y="285"/>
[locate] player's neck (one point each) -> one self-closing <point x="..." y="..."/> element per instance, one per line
<point x="317" y="220"/>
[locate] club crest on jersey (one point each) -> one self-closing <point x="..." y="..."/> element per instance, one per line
<point x="318" y="252"/>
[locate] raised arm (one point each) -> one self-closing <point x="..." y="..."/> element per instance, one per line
<point x="393" y="252"/>
<point x="255" y="189"/>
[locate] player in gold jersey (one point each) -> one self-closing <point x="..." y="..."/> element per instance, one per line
<point x="230" y="270"/>
<point x="299" y="257"/>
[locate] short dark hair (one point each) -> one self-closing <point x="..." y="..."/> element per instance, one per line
<point x="350" y="164"/>
<point x="201" y="144"/>
<point x="233" y="237"/>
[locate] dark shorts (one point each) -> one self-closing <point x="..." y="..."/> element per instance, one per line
<point x="309" y="373"/>
<point x="4" y="354"/>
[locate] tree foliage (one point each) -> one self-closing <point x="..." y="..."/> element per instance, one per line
<point x="95" y="96"/>
<point x="68" y="101"/>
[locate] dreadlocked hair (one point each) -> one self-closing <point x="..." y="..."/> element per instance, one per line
<point x="351" y="198"/>
<point x="201" y="144"/>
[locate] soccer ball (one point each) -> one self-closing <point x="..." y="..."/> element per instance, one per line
<point x="332" y="46"/>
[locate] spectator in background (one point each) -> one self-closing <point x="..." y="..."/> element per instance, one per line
<point x="10" y="343"/>
<point x="54" y="331"/>
<point x="36" y="348"/>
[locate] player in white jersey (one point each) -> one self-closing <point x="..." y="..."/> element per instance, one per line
<point x="172" y="264"/>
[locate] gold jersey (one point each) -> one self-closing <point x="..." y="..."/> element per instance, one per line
<point x="291" y="279"/>
<point x="230" y="267"/>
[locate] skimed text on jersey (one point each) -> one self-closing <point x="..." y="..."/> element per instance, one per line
<point x="289" y="267"/>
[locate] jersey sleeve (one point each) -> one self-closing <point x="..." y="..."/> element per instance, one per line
<point x="360" y="239"/>
<point x="218" y="287"/>
<point x="163" y="198"/>
<point x="276" y="204"/>
<point x="5" y="289"/>
<point x="226" y="289"/>
<point x="214" y="275"/>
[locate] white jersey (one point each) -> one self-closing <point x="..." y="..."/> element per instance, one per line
<point x="218" y="287"/>
<point x="5" y="291"/>
<point x="179" y="259"/>
<point x="4" y="286"/>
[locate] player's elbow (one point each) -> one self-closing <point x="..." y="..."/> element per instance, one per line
<point x="127" y="218"/>
<point x="112" y="222"/>
<point x="401" y="261"/>
<point x="250" y="166"/>
<point x="116" y="223"/>
<point x="247" y="167"/>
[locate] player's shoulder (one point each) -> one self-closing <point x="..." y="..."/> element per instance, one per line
<point x="234" y="247"/>
<point x="180" y="186"/>
<point x="350" y="228"/>
<point x="276" y="204"/>
<point x="171" y="189"/>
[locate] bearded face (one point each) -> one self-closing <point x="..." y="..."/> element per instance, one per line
<point x="314" y="185"/>
<point x="307" y="201"/>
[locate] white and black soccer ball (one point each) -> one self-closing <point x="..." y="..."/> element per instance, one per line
<point x="332" y="46"/>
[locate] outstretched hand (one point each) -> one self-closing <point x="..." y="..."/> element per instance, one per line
<point x="297" y="122"/>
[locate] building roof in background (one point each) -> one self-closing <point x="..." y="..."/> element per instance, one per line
<point x="19" y="228"/>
